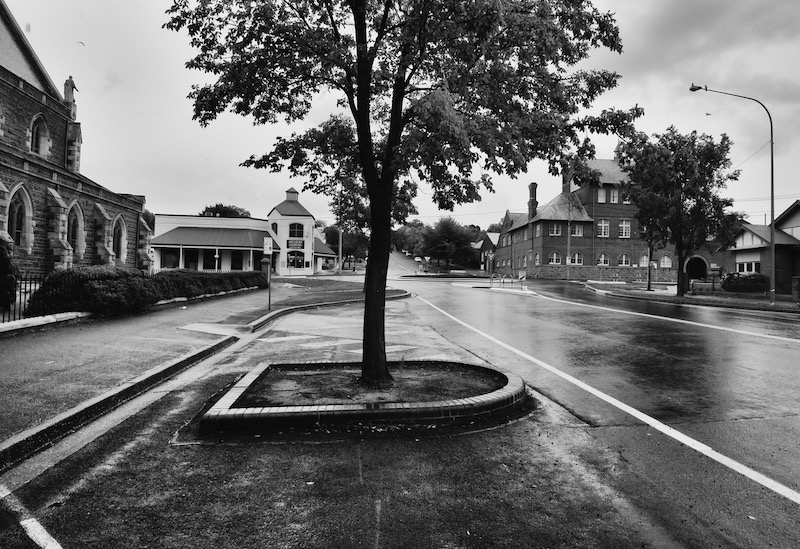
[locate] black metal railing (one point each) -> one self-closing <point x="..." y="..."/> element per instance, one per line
<point x="15" y="292"/>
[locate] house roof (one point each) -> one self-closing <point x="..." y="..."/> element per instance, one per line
<point x="516" y="220"/>
<point x="564" y="207"/>
<point x="610" y="171"/>
<point x="320" y="248"/>
<point x="787" y="212"/>
<point x="212" y="237"/>
<point x="763" y="232"/>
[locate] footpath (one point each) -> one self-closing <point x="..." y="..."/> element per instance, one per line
<point x="62" y="371"/>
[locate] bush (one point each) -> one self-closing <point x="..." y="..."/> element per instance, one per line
<point x="745" y="282"/>
<point x="114" y="291"/>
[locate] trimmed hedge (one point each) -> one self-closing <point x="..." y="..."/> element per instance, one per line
<point x="115" y="291"/>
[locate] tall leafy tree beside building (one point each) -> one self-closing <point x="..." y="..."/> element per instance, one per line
<point x="436" y="92"/>
<point x="675" y="181"/>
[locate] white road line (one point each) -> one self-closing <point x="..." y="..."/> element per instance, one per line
<point x="32" y="527"/>
<point x="648" y="315"/>
<point x="707" y="451"/>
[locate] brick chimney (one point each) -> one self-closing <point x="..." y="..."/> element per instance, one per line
<point x="533" y="204"/>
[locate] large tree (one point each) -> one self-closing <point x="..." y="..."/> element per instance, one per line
<point x="435" y="91"/>
<point x="675" y="180"/>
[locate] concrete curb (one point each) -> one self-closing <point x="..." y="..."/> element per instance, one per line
<point x="224" y="416"/>
<point x="31" y="441"/>
<point x="264" y="320"/>
<point x="27" y="323"/>
<point x="689" y="300"/>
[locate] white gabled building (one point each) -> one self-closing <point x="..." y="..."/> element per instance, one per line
<point x="208" y="243"/>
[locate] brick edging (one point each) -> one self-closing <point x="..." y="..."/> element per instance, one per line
<point x="224" y="416"/>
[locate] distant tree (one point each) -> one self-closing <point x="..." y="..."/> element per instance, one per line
<point x="449" y="240"/>
<point x="494" y="228"/>
<point x="149" y="218"/>
<point x="224" y="210"/>
<point x="410" y="237"/>
<point x="354" y="243"/>
<point x="674" y="180"/>
<point x="434" y="90"/>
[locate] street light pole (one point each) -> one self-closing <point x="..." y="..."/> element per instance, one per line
<point x="772" y="281"/>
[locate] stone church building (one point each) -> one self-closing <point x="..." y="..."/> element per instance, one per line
<point x="55" y="217"/>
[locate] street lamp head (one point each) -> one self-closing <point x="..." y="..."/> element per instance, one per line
<point x="694" y="88"/>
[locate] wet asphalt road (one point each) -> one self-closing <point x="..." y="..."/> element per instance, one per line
<point x="726" y="379"/>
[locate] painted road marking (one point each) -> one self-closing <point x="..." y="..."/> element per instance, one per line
<point x="32" y="527"/>
<point x="707" y="451"/>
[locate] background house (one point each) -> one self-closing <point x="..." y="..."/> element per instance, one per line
<point x="752" y="250"/>
<point x="56" y="217"/>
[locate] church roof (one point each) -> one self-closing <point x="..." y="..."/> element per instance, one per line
<point x="18" y="57"/>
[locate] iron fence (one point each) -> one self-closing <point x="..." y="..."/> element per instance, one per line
<point x="15" y="292"/>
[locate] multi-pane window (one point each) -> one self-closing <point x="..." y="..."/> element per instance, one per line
<point x="294" y="260"/>
<point x="666" y="262"/>
<point x="536" y="259"/>
<point x="554" y="258"/>
<point x="601" y="195"/>
<point x="749" y="267"/>
<point x="525" y="260"/>
<point x="603" y="260"/>
<point x="644" y="260"/>
<point x="296" y="230"/>
<point x="576" y="230"/>
<point x="602" y="228"/>
<point x="555" y="229"/>
<point x="624" y="260"/>
<point x="576" y="259"/>
<point x="613" y="195"/>
<point x="624" y="228"/>
<point x="538" y="230"/>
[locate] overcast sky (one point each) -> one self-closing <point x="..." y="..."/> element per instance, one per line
<point x="139" y="136"/>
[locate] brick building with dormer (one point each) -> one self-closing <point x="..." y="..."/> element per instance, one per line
<point x="590" y="232"/>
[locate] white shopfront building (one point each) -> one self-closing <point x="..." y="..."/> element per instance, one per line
<point x="229" y="243"/>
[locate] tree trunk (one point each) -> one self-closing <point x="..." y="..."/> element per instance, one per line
<point x="374" y="369"/>
<point x="682" y="281"/>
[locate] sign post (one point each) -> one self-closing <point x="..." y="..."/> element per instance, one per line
<point x="268" y="262"/>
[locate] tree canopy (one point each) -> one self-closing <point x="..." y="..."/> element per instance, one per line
<point x="675" y="180"/>
<point x="446" y="93"/>
<point x="224" y="210"/>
